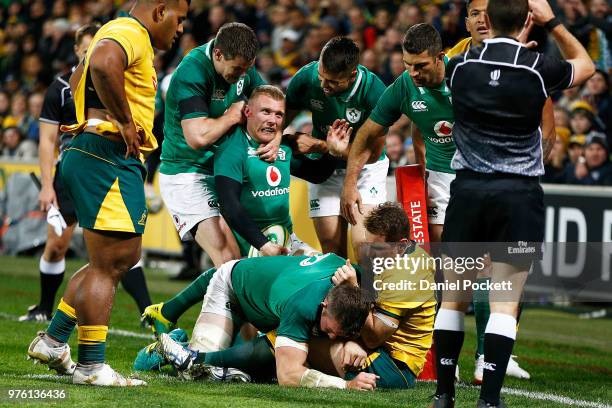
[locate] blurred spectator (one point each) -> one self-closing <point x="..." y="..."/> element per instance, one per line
<point x="594" y="168"/>
<point x="561" y="117"/>
<point x="575" y="148"/>
<point x="279" y="17"/>
<point x="311" y="47"/>
<point x="13" y="144"/>
<point x="267" y="68"/>
<point x="582" y="118"/>
<point x="56" y="45"/>
<point x="288" y="57"/>
<point x="298" y="21"/>
<point x="359" y="23"/>
<point x="394" y="146"/>
<point x="588" y="30"/>
<point x="5" y="105"/>
<point x="369" y="59"/>
<point x="395" y="66"/>
<point x="35" y="103"/>
<point x="555" y="163"/>
<point x="597" y="94"/>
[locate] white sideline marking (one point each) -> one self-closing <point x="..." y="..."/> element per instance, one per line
<point x="118" y="332"/>
<point x="554" y="398"/>
<point x="534" y="395"/>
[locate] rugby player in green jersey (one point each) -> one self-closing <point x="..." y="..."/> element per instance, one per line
<point x="204" y="100"/>
<point x="336" y="88"/>
<point x="253" y="193"/>
<point x="294" y="296"/>
<point x="421" y="94"/>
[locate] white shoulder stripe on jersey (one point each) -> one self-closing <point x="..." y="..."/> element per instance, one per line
<point x="536" y="60"/>
<point x="287" y="342"/>
<point x="518" y="49"/>
<point x="504" y="64"/>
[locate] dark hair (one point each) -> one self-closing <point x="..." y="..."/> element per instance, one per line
<point x="390" y="221"/>
<point x="507" y="16"/>
<point x="87" y="29"/>
<point x="269" y="90"/>
<point x="349" y="306"/>
<point x="237" y="40"/>
<point x="340" y="55"/>
<point x="422" y="37"/>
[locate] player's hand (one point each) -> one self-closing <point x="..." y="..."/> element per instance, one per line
<point x="338" y="137"/>
<point x="46" y="197"/>
<point x="269" y="151"/>
<point x="303" y="143"/>
<point x="236" y="112"/>
<point x="541" y="11"/>
<point x="350" y="202"/>
<point x="581" y="170"/>
<point x="363" y="381"/>
<point x="130" y="135"/>
<point x="272" y="249"/>
<point x="524" y="35"/>
<point x="354" y="356"/>
<point x="345" y="273"/>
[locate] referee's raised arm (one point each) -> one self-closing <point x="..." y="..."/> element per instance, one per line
<point x="571" y="49"/>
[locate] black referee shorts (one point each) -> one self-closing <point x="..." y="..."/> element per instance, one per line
<point x="66" y="208"/>
<point x="502" y="214"/>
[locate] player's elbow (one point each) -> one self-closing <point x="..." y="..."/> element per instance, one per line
<point x="583" y="70"/>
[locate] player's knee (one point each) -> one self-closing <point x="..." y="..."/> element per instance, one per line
<point x="55" y="250"/>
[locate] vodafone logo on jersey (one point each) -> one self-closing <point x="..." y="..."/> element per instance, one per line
<point x="444" y="128"/>
<point x="273" y="176"/>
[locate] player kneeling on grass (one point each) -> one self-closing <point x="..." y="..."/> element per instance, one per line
<point x="394" y="340"/>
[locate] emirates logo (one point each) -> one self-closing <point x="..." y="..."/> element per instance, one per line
<point x="273" y="176"/>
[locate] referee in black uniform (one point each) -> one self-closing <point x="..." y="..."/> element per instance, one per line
<point x="498" y="92"/>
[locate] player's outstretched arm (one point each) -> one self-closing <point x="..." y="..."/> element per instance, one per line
<point x="377" y="329"/>
<point x="367" y="142"/>
<point x="570" y="47"/>
<point x="291" y="371"/>
<point x="202" y="132"/>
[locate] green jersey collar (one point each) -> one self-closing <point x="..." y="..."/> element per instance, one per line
<point x="348" y="95"/>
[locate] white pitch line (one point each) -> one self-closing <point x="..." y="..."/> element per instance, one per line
<point x="118" y="332"/>
<point x="542" y="396"/>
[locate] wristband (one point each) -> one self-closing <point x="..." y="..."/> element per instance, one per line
<point x="552" y="23"/>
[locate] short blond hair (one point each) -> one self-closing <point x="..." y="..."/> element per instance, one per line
<point x="269" y="90"/>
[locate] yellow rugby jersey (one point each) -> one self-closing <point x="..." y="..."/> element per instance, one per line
<point x="140" y="77"/>
<point x="415" y="308"/>
<point x="459" y="48"/>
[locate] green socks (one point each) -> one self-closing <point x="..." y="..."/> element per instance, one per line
<point x="191" y="295"/>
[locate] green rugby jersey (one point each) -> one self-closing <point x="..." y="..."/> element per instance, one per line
<point x="196" y="90"/>
<point x="284" y="292"/>
<point x="265" y="186"/>
<point x="354" y="105"/>
<point x="430" y="109"/>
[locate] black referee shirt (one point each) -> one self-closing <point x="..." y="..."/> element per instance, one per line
<point x="58" y="107"/>
<point x="498" y="92"/>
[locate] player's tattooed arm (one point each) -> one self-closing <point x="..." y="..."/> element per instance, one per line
<point x="549" y="135"/>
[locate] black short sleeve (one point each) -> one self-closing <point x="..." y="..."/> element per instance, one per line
<point x="52" y="106"/>
<point x="556" y="73"/>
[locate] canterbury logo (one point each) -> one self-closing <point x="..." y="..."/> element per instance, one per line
<point x="447" y="361"/>
<point x="489" y="366"/>
<point x="419" y="105"/>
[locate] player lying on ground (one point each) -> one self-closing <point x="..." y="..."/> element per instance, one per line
<point x="393" y="343"/>
<point x="292" y="295"/>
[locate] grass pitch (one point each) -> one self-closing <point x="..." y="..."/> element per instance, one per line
<point x="569" y="359"/>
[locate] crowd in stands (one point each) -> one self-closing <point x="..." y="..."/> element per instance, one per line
<point x="36" y="43"/>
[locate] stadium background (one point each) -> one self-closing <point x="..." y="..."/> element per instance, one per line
<point x="36" y="39"/>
